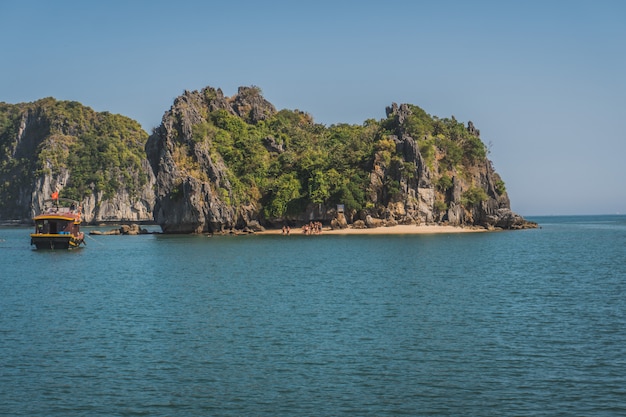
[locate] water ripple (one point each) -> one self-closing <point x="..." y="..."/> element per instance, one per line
<point x="524" y="323"/>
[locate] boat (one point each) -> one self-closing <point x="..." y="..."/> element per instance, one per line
<point x="58" y="225"/>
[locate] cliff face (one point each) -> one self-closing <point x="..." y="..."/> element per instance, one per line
<point x="470" y="193"/>
<point x="218" y="163"/>
<point x="95" y="158"/>
<point x="193" y="191"/>
<point x="417" y="169"/>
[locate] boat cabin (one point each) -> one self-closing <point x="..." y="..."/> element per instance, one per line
<point x="56" y="225"/>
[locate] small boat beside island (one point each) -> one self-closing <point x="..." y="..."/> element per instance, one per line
<point x="58" y="226"/>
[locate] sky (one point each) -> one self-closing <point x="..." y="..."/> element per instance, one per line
<point x="544" y="81"/>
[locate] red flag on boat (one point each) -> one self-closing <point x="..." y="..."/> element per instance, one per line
<point x="55" y="195"/>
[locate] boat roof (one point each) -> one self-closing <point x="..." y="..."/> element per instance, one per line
<point x="57" y="216"/>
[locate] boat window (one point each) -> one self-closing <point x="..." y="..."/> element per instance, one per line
<point x="43" y="226"/>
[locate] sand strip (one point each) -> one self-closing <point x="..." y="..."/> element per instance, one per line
<point x="391" y="230"/>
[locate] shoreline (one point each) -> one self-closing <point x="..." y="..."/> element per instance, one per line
<point x="401" y="229"/>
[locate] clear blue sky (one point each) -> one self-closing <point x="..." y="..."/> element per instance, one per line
<point x="544" y="81"/>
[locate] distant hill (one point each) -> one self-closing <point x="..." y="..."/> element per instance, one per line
<point x="96" y="158"/>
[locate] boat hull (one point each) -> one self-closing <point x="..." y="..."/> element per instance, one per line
<point x="56" y="241"/>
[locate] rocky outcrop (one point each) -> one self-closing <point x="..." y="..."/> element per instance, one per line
<point x="123" y="206"/>
<point x="124" y="230"/>
<point x="43" y="139"/>
<point x="194" y="193"/>
<point x="192" y="189"/>
<point x="412" y="168"/>
<point x="272" y="145"/>
<point x="422" y="199"/>
<point x="250" y="105"/>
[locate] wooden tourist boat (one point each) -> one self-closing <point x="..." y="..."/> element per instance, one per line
<point x="58" y="226"/>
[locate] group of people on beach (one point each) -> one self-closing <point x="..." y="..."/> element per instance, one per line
<point x="313" y="228"/>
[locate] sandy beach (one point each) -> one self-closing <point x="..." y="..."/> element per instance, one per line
<point x="391" y="230"/>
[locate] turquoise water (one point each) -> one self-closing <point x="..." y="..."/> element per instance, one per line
<point x="507" y="323"/>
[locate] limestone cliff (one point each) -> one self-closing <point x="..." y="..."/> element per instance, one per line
<point x="218" y="163"/>
<point x="468" y="192"/>
<point x="96" y="158"/>
<point x="235" y="162"/>
<point x="193" y="190"/>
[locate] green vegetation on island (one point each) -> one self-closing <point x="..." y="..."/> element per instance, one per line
<point x="287" y="161"/>
<point x="221" y="162"/>
<point x="99" y="152"/>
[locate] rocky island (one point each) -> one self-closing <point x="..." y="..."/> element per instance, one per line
<point x="224" y="163"/>
<point x="95" y="158"/>
<point x="220" y="164"/>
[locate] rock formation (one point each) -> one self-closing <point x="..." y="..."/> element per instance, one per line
<point x="236" y="164"/>
<point x="45" y="151"/>
<point x="194" y="193"/>
<point x="192" y="187"/>
<point x="425" y="198"/>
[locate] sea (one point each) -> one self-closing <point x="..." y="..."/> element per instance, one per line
<point x="509" y="323"/>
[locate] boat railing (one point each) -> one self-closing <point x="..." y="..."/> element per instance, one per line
<point x="61" y="206"/>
